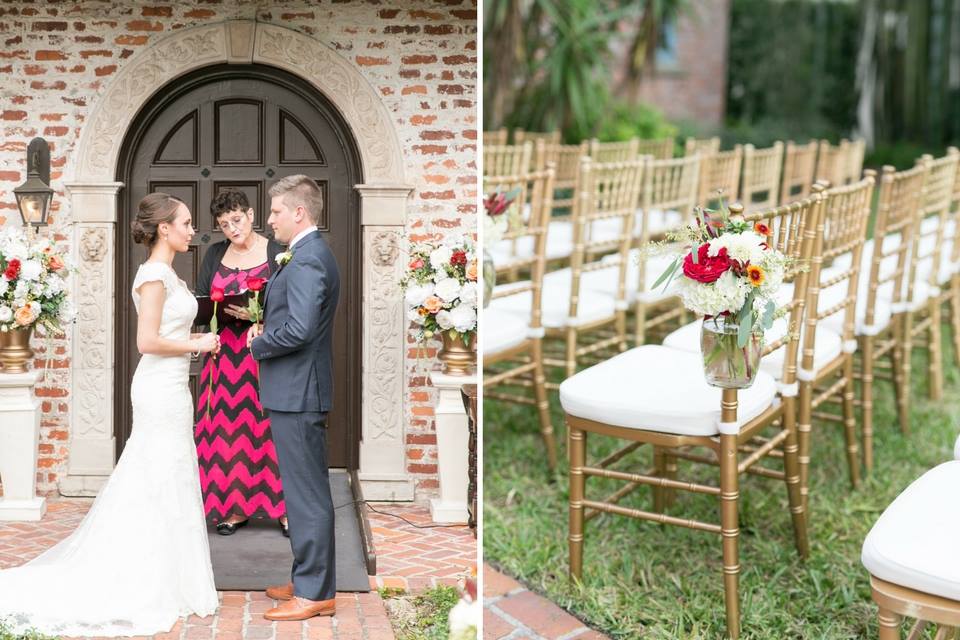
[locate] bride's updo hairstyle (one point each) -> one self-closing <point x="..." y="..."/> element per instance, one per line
<point x="153" y="210"/>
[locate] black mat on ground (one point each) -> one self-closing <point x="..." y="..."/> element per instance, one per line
<point x="258" y="555"/>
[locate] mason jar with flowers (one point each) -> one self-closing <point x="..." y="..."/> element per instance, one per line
<point x="730" y="276"/>
<point x="440" y="293"/>
<point x="33" y="294"/>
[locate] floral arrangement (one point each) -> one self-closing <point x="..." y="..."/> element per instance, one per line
<point x="441" y="288"/>
<point x="464" y="618"/>
<point x="495" y="222"/>
<point x="730" y="271"/>
<point x="33" y="285"/>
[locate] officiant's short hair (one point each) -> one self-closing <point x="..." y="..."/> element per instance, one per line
<point x="300" y="190"/>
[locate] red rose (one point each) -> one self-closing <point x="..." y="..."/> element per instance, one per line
<point x="13" y="270"/>
<point x="416" y="264"/>
<point x="255" y="284"/>
<point x="706" y="269"/>
<point x="458" y="258"/>
<point x="216" y="294"/>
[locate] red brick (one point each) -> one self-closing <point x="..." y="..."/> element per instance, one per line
<point x="90" y="53"/>
<point x="495" y="627"/>
<point x="14" y="115"/>
<point x="414" y="89"/>
<point x="450" y="89"/>
<point x="200" y="13"/>
<point x="541" y="615"/>
<point x="144" y="25"/>
<point x="49" y="26"/>
<point x="34" y="69"/>
<point x="106" y="70"/>
<point x="439" y="30"/>
<point x="10" y="176"/>
<point x="368" y="61"/>
<point x="89" y="39"/>
<point x="426" y="15"/>
<point x="55" y="131"/>
<point x="46" y="54"/>
<point x="419" y="59"/>
<point x="131" y="40"/>
<point x="163" y="12"/>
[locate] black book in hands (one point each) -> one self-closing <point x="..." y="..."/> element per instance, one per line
<point x="205" y="308"/>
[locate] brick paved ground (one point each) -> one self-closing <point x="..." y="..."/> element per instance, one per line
<point x="511" y="611"/>
<point x="408" y="557"/>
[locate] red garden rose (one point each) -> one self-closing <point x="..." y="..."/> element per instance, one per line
<point x="13" y="270"/>
<point x="458" y="258"/>
<point x="216" y="294"/>
<point x="255" y="284"/>
<point x="706" y="269"/>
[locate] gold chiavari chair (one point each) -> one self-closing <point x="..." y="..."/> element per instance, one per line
<point x="702" y="145"/>
<point x="924" y="295"/>
<point x="604" y="152"/>
<point x="658" y="396"/>
<point x="549" y="137"/>
<point x="661" y="149"/>
<point x="879" y="303"/>
<point x="507" y="160"/>
<point x="826" y="368"/>
<point x="496" y="138"/>
<point x="761" y="176"/>
<point x="955" y="261"/>
<point x="799" y="165"/>
<point x="513" y="345"/>
<point x="855" y="153"/>
<point x="566" y="158"/>
<point x="585" y="322"/>
<point x="719" y="176"/>
<point x="841" y="164"/>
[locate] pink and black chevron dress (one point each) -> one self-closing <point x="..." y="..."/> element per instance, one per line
<point x="238" y="462"/>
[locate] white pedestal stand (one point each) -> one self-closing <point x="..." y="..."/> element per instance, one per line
<point x="452" y="448"/>
<point x="19" y="435"/>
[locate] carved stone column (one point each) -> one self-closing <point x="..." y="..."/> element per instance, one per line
<point x="383" y="451"/>
<point x="92" y="444"/>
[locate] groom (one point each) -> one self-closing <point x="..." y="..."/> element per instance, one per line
<point x="294" y="349"/>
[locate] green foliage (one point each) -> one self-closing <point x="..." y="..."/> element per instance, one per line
<point x="6" y="633"/>
<point x="642" y="580"/>
<point x="421" y="617"/>
<point x="626" y="121"/>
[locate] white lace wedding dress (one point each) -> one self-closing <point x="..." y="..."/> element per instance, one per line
<point x="140" y="559"/>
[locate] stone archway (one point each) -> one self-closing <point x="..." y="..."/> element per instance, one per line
<point x="92" y="193"/>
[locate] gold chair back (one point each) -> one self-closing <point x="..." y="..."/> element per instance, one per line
<point x="799" y="165"/>
<point x="606" y="152"/>
<point x="661" y="149"/>
<point x="719" y="176"/>
<point x="701" y="145"/>
<point x="935" y="214"/>
<point x="549" y="137"/>
<point x="761" y="176"/>
<point x="507" y="160"/>
<point x="498" y="137"/>
<point x="566" y="158"/>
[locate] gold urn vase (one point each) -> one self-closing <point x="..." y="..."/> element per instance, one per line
<point x="458" y="355"/>
<point x="15" y="351"/>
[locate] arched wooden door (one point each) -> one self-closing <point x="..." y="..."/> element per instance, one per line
<point x="243" y="127"/>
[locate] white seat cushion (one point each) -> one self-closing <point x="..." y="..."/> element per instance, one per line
<point x="887" y="265"/>
<point x="555" y="303"/>
<point x="502" y="331"/>
<point x="914" y="544"/>
<point x="655" y="388"/>
<point x="828" y="345"/>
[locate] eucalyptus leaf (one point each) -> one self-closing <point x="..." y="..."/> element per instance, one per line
<point x="666" y="272"/>
<point x="746" y="324"/>
<point x="768" y="314"/>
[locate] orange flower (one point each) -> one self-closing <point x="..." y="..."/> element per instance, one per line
<point x="56" y="263"/>
<point x="761" y="228"/>
<point x="756" y="275"/>
<point x="433" y="304"/>
<point x="24" y="316"/>
<point x="472" y="271"/>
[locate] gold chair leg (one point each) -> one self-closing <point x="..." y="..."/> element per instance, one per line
<point x="866" y="401"/>
<point x="670" y="471"/>
<point x="906" y="369"/>
<point x="850" y="422"/>
<point x="936" y="352"/>
<point x="900" y="390"/>
<point x="791" y="467"/>
<point x="659" y="466"/>
<point x="543" y="405"/>
<point x="622" y="330"/>
<point x="577" y="441"/>
<point x="729" y="531"/>
<point x="571" y="353"/>
<point x="889" y="623"/>
<point x="640" y="330"/>
<point x="955" y="316"/>
<point x="804" y="420"/>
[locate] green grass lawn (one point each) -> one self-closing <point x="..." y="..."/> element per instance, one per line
<point x="643" y="580"/>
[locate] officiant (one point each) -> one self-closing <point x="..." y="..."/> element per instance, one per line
<point x="238" y="463"/>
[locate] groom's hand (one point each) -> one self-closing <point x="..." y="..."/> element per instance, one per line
<point x="254" y="331"/>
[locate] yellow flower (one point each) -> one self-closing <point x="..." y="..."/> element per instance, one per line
<point x="756" y="275"/>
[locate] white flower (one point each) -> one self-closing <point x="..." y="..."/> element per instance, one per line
<point x="20" y="291"/>
<point x="464" y="620"/>
<point x="14" y="247"/>
<point x="284" y="258"/>
<point x="31" y="270"/>
<point x="728" y="293"/>
<point x="6" y="313"/>
<point x="440" y="257"/>
<point x="493" y="229"/>
<point x="36" y="289"/>
<point x="35" y="307"/>
<point x="468" y="294"/>
<point x="447" y="289"/>
<point x="55" y="285"/>
<point x="417" y="293"/>
<point x="464" y="318"/>
<point x="413" y="315"/>
<point x="444" y="319"/>
<point x="4" y="285"/>
<point x="68" y="314"/>
<point x="743" y="247"/>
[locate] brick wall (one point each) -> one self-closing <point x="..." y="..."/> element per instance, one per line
<point x="695" y="89"/>
<point x="56" y="58"/>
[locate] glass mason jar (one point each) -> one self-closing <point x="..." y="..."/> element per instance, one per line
<point x="725" y="364"/>
<point x="489" y="277"/>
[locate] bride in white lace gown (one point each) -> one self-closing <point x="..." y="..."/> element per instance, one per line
<point x="140" y="559"/>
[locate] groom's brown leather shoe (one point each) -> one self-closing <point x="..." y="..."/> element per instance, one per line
<point x="298" y="608"/>
<point x="280" y="591"/>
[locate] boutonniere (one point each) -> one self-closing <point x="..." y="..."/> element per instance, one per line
<point x="284" y="258"/>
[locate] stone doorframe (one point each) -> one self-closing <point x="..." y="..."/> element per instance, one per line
<point x="92" y="193"/>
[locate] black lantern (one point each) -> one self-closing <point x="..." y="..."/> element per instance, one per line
<point x="35" y="195"/>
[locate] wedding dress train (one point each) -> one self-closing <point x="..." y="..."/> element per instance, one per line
<point x="139" y="559"/>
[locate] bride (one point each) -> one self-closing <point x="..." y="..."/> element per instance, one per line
<point x="140" y="559"/>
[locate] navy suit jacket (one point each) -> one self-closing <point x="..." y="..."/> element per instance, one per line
<point x="295" y="350"/>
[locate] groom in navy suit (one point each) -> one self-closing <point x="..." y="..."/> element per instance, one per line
<point x="294" y="349"/>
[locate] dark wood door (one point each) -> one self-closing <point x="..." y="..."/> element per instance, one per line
<point x="244" y="128"/>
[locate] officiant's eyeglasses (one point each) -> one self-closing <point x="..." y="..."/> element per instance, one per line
<point x="233" y="222"/>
